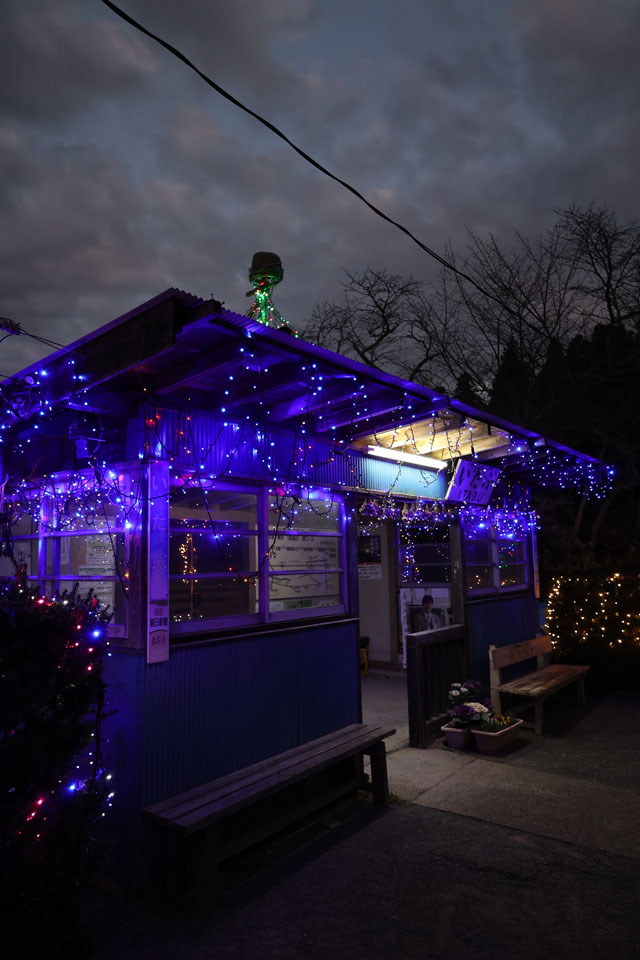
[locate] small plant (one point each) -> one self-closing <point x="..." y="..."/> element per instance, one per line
<point x="467" y="709"/>
<point x="463" y="692"/>
<point x="493" y="722"/>
<point x="470" y="714"/>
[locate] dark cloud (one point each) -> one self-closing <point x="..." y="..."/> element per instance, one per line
<point x="56" y="63"/>
<point x="123" y="174"/>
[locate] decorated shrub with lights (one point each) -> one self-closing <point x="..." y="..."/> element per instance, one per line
<point x="53" y="788"/>
<point x="596" y="621"/>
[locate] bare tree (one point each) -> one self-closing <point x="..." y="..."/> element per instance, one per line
<point x="383" y="320"/>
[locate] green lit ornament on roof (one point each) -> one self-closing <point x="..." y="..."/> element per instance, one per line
<point x="264" y="273"/>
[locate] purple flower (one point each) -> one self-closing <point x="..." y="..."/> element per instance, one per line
<point x="464" y="712"/>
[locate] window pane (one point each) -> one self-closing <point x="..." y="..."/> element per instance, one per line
<point x="110" y="593"/>
<point x="227" y="510"/>
<point x="305" y="553"/>
<point x="24" y="526"/>
<point x="291" y="513"/>
<point x="89" y="511"/>
<point x="431" y="553"/>
<point x="24" y="551"/>
<point x="513" y="575"/>
<point x="306" y="590"/>
<point x="478" y="551"/>
<point x="206" y="599"/>
<point x="512" y="556"/>
<point x="86" y="556"/>
<point x="479" y="577"/>
<point x="511" y="551"/>
<point x="211" y="553"/>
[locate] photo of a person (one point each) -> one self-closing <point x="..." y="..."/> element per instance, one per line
<point x="425" y="619"/>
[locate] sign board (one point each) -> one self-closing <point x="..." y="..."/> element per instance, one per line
<point x="369" y="571"/>
<point x="472" y="483"/>
<point x="158" y="563"/>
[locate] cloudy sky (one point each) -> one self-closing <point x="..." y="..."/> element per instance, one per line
<point x="122" y="173"/>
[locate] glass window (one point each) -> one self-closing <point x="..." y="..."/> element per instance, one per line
<point x="213" y="553"/>
<point x="494" y="562"/>
<point x="295" y="513"/>
<point x="25" y="552"/>
<point x="222" y="511"/>
<point x="209" y="598"/>
<point x="424" y="556"/>
<point x="512" y="562"/>
<point x="300" y="592"/>
<point x="296" y="558"/>
<point x="84" y="542"/>
<point x="251" y="555"/>
<point x="297" y="551"/>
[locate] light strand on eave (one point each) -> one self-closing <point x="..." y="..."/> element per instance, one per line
<point x="270" y="126"/>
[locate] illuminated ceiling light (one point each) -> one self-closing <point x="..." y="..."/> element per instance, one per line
<point x="398" y="456"/>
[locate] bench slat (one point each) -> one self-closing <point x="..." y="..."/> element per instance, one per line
<point x="164" y="806"/>
<point x="246" y="789"/>
<point x="516" y="652"/>
<point x="543" y="681"/>
<point x="204" y="804"/>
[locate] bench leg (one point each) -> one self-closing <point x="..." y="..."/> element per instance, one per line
<point x="581" y="696"/>
<point x="495" y="702"/>
<point x="379" y="781"/>
<point x="173" y="866"/>
<point x="537" y="708"/>
<point x="208" y="867"/>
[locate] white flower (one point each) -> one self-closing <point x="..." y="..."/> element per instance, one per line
<point x="479" y="707"/>
<point x="455" y="693"/>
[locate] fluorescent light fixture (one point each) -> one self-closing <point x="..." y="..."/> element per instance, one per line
<point x="386" y="453"/>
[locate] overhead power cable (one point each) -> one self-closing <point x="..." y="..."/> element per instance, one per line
<point x="314" y="163"/>
<point x="14" y="328"/>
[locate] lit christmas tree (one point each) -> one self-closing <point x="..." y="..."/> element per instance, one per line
<point x="54" y="790"/>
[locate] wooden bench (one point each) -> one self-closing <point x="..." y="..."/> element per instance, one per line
<point x="204" y="807"/>
<point x="537" y="685"/>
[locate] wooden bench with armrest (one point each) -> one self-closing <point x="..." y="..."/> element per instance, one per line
<point x="537" y="685"/>
<point x="204" y="807"/>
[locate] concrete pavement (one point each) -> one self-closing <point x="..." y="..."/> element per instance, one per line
<point x="579" y="782"/>
<point x="535" y="852"/>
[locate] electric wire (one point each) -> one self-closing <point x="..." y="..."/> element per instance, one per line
<point x="270" y="126"/>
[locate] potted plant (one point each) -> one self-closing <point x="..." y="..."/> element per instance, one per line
<point x="466" y="713"/>
<point x="496" y="733"/>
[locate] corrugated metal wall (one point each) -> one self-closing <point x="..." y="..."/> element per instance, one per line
<point x="242" y="450"/>
<point x="500" y="621"/>
<point x="219" y="706"/>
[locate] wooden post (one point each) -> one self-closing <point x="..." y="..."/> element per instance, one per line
<point x="379" y="781"/>
<point x="416" y="692"/>
<point x="494" y="681"/>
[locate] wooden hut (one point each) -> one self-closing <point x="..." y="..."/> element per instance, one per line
<point x="250" y="506"/>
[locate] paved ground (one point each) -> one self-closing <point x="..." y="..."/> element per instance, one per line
<point x="534" y="853"/>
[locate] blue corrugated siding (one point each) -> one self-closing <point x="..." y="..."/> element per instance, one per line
<point x="219" y="706"/>
<point x="122" y="732"/>
<point x="239" y="450"/>
<point x="500" y="621"/>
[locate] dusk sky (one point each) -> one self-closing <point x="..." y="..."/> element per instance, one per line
<point x="122" y="173"/>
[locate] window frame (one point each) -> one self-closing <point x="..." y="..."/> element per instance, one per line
<point x="265" y="539"/>
<point x="497" y="588"/>
<point x="48" y="577"/>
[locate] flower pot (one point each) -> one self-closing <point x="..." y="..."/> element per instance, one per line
<point x="495" y="742"/>
<point x="458" y="738"/>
